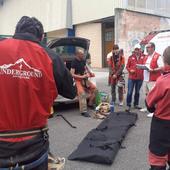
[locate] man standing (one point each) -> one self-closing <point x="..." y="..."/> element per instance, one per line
<point x="116" y="65"/>
<point x="155" y="63"/>
<point x="28" y="87"/>
<point x="80" y="73"/>
<point x="135" y="78"/>
<point x="157" y="101"/>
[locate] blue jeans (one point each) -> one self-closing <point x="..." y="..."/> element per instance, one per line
<point x="137" y="84"/>
<point x="42" y="166"/>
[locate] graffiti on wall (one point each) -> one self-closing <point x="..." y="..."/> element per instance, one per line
<point x="164" y="23"/>
<point x="130" y="31"/>
<point x="134" y="37"/>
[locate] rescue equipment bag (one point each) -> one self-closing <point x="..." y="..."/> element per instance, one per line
<point x="102" y="144"/>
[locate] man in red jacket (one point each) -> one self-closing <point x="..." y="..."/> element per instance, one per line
<point x="155" y="63"/>
<point x="157" y="101"/>
<point x="135" y="78"/>
<point x="31" y="76"/>
<point x="116" y="65"/>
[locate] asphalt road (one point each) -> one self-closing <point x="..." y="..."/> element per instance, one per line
<point x="64" y="139"/>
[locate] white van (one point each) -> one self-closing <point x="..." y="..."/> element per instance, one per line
<point x="161" y="39"/>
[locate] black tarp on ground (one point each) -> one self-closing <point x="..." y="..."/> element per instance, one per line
<point x="102" y="144"/>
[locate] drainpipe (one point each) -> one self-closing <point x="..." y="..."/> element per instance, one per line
<point x="71" y="32"/>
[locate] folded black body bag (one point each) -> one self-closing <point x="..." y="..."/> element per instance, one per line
<point x="102" y="144"/>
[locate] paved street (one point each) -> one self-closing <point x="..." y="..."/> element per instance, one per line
<point x="65" y="139"/>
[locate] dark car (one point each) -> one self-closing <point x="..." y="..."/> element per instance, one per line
<point x="66" y="48"/>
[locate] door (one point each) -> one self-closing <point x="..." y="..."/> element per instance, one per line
<point x="108" y="40"/>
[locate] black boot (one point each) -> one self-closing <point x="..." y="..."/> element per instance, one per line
<point x="158" y="167"/>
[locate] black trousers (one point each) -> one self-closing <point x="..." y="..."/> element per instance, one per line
<point x="160" y="136"/>
<point x="24" y="152"/>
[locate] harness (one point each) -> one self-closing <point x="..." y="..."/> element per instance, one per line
<point x="15" y="134"/>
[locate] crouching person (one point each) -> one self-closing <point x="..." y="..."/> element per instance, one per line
<point x="27" y="89"/>
<point x="84" y="86"/>
<point x="157" y="101"/>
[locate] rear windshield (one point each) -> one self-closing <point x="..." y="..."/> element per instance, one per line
<point x="67" y="53"/>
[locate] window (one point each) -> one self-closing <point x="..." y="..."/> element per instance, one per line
<point x="151" y="4"/>
<point x="131" y="3"/>
<point x="168" y="6"/>
<point x="109" y="36"/>
<point x="161" y="5"/>
<point x="141" y="4"/>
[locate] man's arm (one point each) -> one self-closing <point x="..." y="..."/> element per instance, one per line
<point x="160" y="65"/>
<point x="128" y="66"/>
<point x="64" y="81"/>
<point x="76" y="76"/>
<point x="153" y="97"/>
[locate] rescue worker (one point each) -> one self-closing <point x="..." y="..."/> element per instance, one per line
<point x="81" y="74"/>
<point x="154" y="62"/>
<point x="135" y="78"/>
<point x="115" y="50"/>
<point x="157" y="101"/>
<point x="116" y="65"/>
<point x="31" y="76"/>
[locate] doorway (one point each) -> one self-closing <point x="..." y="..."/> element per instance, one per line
<point x="108" y="40"/>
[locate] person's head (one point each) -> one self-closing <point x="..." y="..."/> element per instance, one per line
<point x="115" y="49"/>
<point x="30" y="25"/>
<point x="137" y="50"/>
<point x="150" y="48"/>
<point x="80" y="54"/>
<point x="166" y="56"/>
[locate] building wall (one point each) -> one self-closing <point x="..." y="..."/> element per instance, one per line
<point x="155" y="7"/>
<point x="89" y="10"/>
<point x="60" y="14"/>
<point x="57" y="34"/>
<point x="52" y="13"/>
<point x="93" y="32"/>
<point x="131" y="27"/>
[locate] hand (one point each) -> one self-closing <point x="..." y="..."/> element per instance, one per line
<point x="85" y="76"/>
<point x="92" y="75"/>
<point x="132" y="71"/>
<point x="152" y="70"/>
<point x="114" y="76"/>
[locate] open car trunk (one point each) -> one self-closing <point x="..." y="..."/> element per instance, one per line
<point x="66" y="48"/>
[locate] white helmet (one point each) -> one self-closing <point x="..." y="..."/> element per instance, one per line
<point x="137" y="46"/>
